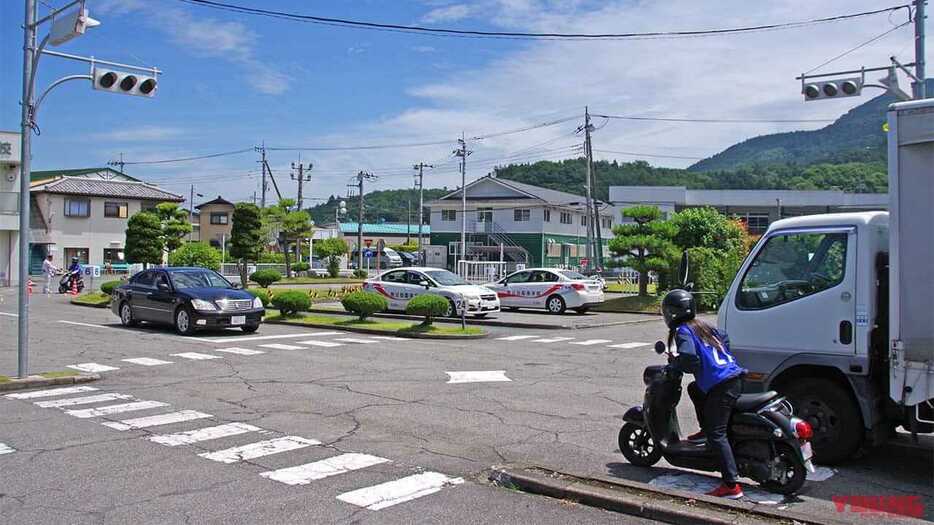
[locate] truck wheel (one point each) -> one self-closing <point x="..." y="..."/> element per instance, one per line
<point x="834" y="416"/>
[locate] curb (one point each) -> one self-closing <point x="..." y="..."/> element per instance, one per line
<point x="90" y="305"/>
<point x="39" y="381"/>
<point x="644" y="500"/>
<point x="372" y="331"/>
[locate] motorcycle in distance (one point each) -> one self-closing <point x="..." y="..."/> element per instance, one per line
<point x="64" y="285"/>
<point x="771" y="446"/>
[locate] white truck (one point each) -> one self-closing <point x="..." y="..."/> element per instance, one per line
<point x="836" y="311"/>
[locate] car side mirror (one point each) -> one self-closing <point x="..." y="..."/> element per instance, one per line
<point x="163" y="287"/>
<point x="423" y="283"/>
<point x="237" y="286"/>
<point x="660" y="347"/>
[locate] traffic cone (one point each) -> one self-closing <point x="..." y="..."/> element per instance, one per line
<point x="29" y="287"/>
<point x="74" y="287"/>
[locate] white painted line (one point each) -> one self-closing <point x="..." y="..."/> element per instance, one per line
<point x="356" y="340"/>
<point x="154" y="421"/>
<point x="263" y="337"/>
<point x="99" y="398"/>
<point x="325" y="344"/>
<point x="239" y="351"/>
<point x="259" y="449"/>
<point x="589" y="342"/>
<point x="515" y="337"/>
<point x="53" y="392"/>
<point x="147" y="361"/>
<point x="627" y="346"/>
<point x="319" y="334"/>
<point x="552" y="340"/>
<point x="92" y="367"/>
<point x="478" y="376"/>
<point x="305" y="474"/>
<point x="6" y="449"/>
<point x="9" y="315"/>
<point x="399" y="491"/>
<point x="203" y="434"/>
<point x="278" y="346"/>
<point x="115" y="409"/>
<point x="196" y="356"/>
<point x="90" y="325"/>
<point x="390" y="338"/>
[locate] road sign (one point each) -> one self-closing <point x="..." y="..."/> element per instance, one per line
<point x="368" y="253"/>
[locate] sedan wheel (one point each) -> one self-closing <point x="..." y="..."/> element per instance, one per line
<point x="126" y="315"/>
<point x="183" y="322"/>
<point x="452" y="309"/>
<point x="555" y="305"/>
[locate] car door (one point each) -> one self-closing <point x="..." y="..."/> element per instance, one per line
<point x="542" y="285"/>
<point x="393" y="285"/>
<point x="514" y="290"/>
<point x="161" y="299"/>
<point x="137" y="295"/>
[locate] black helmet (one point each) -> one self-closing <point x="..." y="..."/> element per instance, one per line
<point x="74" y="259"/>
<point x="678" y="307"/>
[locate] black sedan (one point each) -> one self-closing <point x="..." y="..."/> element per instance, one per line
<point x="188" y="299"/>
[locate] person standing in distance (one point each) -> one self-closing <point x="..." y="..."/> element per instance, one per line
<point x="49" y="270"/>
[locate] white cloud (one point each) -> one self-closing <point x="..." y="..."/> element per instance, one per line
<point x="449" y="13"/>
<point x="423" y="49"/>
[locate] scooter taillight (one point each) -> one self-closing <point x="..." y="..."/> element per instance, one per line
<point x="803" y="430"/>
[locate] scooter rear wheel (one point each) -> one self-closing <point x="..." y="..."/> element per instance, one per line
<point x="794" y="472"/>
<point x="638" y="446"/>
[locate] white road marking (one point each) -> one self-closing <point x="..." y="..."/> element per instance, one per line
<point x="90" y="325"/>
<point x="53" y="392"/>
<point x="356" y="340"/>
<point x="589" y="342"/>
<point x="305" y="474"/>
<point x="401" y="490"/>
<point x="627" y="346"/>
<point x="92" y="367"/>
<point x="390" y="338"/>
<point x="86" y="400"/>
<point x="277" y="346"/>
<point x="6" y="449"/>
<point x="115" y="409"/>
<point x="325" y="344"/>
<point x="239" y="351"/>
<point x="478" y="376"/>
<point x="318" y="334"/>
<point x="203" y="434"/>
<point x="147" y="361"/>
<point x="263" y="337"/>
<point x="10" y="315"/>
<point x="154" y="421"/>
<point x="515" y="337"/>
<point x="196" y="356"/>
<point x="259" y="449"/>
<point x="552" y="340"/>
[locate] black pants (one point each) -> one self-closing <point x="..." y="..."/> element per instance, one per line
<point x="713" y="412"/>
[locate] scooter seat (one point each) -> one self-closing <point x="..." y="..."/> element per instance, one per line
<point x="747" y="402"/>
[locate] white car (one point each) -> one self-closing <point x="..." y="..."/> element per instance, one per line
<point x="401" y="285"/>
<point x="553" y="289"/>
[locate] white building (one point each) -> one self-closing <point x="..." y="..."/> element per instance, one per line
<point x="9" y="206"/>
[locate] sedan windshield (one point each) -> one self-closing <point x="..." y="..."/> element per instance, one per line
<point x="574" y="276"/>
<point x="198" y="279"/>
<point x="445" y="278"/>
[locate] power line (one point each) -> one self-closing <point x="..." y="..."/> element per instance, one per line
<point x="463" y="33"/>
<point x="858" y="47"/>
<point x="652" y="155"/>
<point x="717" y="120"/>
<point x="186" y="159"/>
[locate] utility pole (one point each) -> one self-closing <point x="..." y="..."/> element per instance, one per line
<point x="408" y="220"/>
<point x="301" y="178"/>
<point x="462" y="152"/>
<point x="592" y="182"/>
<point x="588" y="187"/>
<point x="29" y="53"/>
<point x="919" y="90"/>
<point x="419" y="183"/>
<point x="118" y="163"/>
<point x="191" y="211"/>
<point x="361" y="176"/>
<point x="262" y="150"/>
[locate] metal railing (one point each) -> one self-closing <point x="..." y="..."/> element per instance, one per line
<point x="9" y="203"/>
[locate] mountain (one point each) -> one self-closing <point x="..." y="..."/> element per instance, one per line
<point x="380" y="206"/>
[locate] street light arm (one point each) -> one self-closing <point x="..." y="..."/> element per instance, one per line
<point x="53" y="85"/>
<point x="35" y="65"/>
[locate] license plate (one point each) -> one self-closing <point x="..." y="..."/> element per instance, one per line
<point x="806" y="451"/>
<point x="238" y="320"/>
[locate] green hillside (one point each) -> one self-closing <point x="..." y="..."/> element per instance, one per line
<point x="381" y="206"/>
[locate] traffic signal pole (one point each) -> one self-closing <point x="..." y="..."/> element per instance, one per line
<point x="29" y="54"/>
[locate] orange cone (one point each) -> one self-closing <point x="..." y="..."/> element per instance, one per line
<point x="74" y="287"/>
<point x="29" y="287"/>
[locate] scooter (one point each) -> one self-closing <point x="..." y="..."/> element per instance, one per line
<point x="64" y="285"/>
<point x="770" y="445"/>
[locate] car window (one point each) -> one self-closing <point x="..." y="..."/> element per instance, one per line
<point x="574" y="276"/>
<point x="160" y="279"/>
<point x="145" y="278"/>
<point x="445" y="278"/>
<point x="416" y="278"/>
<point x="541" y="276"/>
<point x="198" y="279"/>
<point x="394" y="277"/>
<point x="793" y="266"/>
<point x="519" y="277"/>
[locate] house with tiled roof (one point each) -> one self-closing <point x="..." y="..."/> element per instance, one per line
<point x="215" y="221"/>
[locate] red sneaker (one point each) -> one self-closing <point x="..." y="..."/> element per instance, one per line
<point x="697" y="437"/>
<point x="726" y="491"/>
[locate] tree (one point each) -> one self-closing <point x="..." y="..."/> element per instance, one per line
<point x="246" y="236"/>
<point x="409" y="247"/>
<point x="331" y="249"/>
<point x="645" y="244"/>
<point x="175" y="224"/>
<point x="295" y="225"/>
<point x="144" y="242"/>
<point x="708" y="228"/>
<point x="196" y="254"/>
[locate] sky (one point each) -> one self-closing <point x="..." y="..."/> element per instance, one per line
<point x="233" y="81"/>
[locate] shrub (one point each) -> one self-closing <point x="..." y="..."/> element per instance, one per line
<point x="196" y="254"/>
<point x="712" y="272"/>
<point x="264" y="295"/>
<point x="108" y="287"/>
<point x="271" y="258"/>
<point x="300" y="267"/>
<point x="364" y="303"/>
<point x="334" y="267"/>
<point x="291" y="302"/>
<point x="360" y="273"/>
<point x="265" y="277"/>
<point x="427" y="305"/>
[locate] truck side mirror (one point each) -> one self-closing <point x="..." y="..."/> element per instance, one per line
<point x="684" y="268"/>
<point x="660" y="347"/>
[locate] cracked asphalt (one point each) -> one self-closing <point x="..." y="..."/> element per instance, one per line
<point x="561" y="410"/>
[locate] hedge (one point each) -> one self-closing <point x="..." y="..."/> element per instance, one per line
<point x="712" y="271"/>
<point x="428" y="306"/>
<point x="364" y="304"/>
<point x="265" y="277"/>
<point x="291" y="302"/>
<point x="108" y="286"/>
<point x="300" y="267"/>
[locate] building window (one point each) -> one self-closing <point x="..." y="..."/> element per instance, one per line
<point x="80" y="253"/>
<point x="547" y="215"/>
<point x="448" y="215"/>
<point x="215" y="243"/>
<point x="521" y="215"/>
<point x="219" y="218"/>
<point x="147" y="206"/>
<point x="116" y="210"/>
<point x="484" y="214"/>
<point x="113" y="255"/>
<point x="583" y="220"/>
<point x="77" y="208"/>
<point x="607" y="222"/>
<point x="565" y="217"/>
<point x="756" y="223"/>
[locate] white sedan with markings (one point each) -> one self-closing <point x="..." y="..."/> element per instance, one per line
<point x="552" y="289"/>
<point x="404" y="284"/>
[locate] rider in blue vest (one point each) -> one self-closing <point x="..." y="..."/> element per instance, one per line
<point x="705" y="352"/>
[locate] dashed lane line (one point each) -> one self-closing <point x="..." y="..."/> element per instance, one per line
<point x="195" y="356"/>
<point x="92" y="367"/>
<point x="86" y="400"/>
<point x="203" y="434"/>
<point x="516" y="337"/>
<point x="323" y="344"/>
<point x="627" y="346"/>
<point x="279" y="346"/>
<point x="478" y="376"/>
<point x="401" y="490"/>
<point x="9" y="315"/>
<point x="264" y="337"/>
<point x="52" y="392"/>
<point x="590" y="342"/>
<point x="552" y="340"/>
<point x="6" y="449"/>
<point x="239" y="351"/>
<point x="356" y="340"/>
<point x="305" y="474"/>
<point x="259" y="449"/>
<point x="157" y="420"/>
<point x="146" y="361"/>
<point x="115" y="409"/>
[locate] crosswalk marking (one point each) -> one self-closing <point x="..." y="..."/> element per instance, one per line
<point x="262" y="337"/>
<point x="305" y="474"/>
<point x="627" y="346"/>
<point x="325" y="344"/>
<point x="515" y="337"/>
<point x="86" y="400"/>
<point x="390" y="338"/>
<point x="154" y="421"/>
<point x="355" y="340"/>
<point x="401" y="490"/>
<point x="277" y="346"/>
<point x="203" y="434"/>
<point x="6" y="449"/>
<point x="259" y="449"/>
<point x="589" y="342"/>
<point x="115" y="409"/>
<point x="53" y="392"/>
<point x="552" y="340"/>
<point x="147" y="361"/>
<point x="196" y="356"/>
<point x="92" y="367"/>
<point x="478" y="376"/>
<point x="239" y="351"/>
<point x="318" y="334"/>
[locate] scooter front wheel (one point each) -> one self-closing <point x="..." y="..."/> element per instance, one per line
<point x="789" y="472"/>
<point x="637" y="445"/>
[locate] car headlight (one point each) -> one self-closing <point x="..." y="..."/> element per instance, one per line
<point x="257" y="302"/>
<point x="202" y="305"/>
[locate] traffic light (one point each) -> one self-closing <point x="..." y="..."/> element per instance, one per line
<point x="122" y="82"/>
<point x="844" y="87"/>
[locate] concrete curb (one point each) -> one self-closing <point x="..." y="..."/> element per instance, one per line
<point x="644" y="500"/>
<point x="371" y="331"/>
<point x="90" y="305"/>
<point x="39" y="381"/>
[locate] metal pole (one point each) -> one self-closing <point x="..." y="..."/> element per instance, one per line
<point x="463" y="249"/>
<point x="29" y="50"/>
<point x="360" y="223"/>
<point x="589" y="224"/>
<point x="262" y="201"/>
<point x="920" y="91"/>
<point x="191" y="211"/>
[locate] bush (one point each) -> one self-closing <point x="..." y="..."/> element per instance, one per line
<point x="364" y="303"/>
<point x="360" y="273"/>
<point x="196" y="254"/>
<point x="427" y="305"/>
<point x="271" y="258"/>
<point x="334" y="267"/>
<point x="291" y="302"/>
<point x="300" y="267"/>
<point x="265" y="277"/>
<point x="108" y="287"/>
<point x="264" y="295"/>
<point x="712" y="272"/>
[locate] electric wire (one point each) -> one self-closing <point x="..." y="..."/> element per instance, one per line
<point x="715" y="120"/>
<point x="187" y="159"/>
<point x="858" y="47"/>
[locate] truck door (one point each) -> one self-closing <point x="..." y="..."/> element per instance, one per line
<point x="797" y="295"/>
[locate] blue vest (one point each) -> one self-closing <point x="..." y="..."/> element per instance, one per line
<point x="715" y="366"/>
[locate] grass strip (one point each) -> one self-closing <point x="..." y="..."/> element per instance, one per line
<point x="92" y="299"/>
